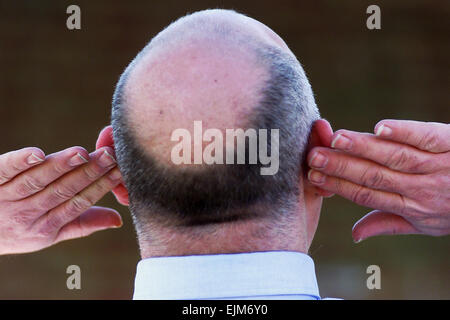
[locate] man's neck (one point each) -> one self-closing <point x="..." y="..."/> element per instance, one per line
<point x="231" y="237"/>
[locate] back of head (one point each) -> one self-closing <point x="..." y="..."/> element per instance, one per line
<point x="229" y="72"/>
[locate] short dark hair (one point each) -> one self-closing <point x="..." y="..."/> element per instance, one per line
<point x="219" y="193"/>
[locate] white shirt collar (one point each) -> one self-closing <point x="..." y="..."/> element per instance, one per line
<point x="257" y="275"/>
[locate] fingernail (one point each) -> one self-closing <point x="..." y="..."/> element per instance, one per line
<point x="316" y="177"/>
<point x="341" y="142"/>
<point x="115" y="175"/>
<point x="32" y="159"/>
<point x="318" y="160"/>
<point x="106" y="159"/>
<point x="383" y="131"/>
<point x="118" y="225"/>
<point x="77" y="159"/>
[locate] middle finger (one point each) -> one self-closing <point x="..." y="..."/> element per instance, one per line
<point x="362" y="172"/>
<point x="102" y="161"/>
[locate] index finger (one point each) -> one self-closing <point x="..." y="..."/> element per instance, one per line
<point x="391" y="154"/>
<point x="427" y="136"/>
<point x="18" y="161"/>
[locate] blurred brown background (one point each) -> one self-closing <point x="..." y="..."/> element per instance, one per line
<point x="56" y="87"/>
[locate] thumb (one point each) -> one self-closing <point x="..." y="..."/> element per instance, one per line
<point x="92" y="220"/>
<point x="378" y="223"/>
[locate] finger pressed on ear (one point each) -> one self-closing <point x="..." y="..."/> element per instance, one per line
<point x="391" y="154"/>
<point x="362" y="172"/>
<point x="37" y="178"/>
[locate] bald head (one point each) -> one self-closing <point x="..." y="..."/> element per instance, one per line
<point x="203" y="67"/>
<point x="228" y="71"/>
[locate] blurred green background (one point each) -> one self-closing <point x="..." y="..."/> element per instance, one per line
<point x="56" y="87"/>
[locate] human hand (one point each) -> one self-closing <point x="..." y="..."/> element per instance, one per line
<point x="45" y="200"/>
<point x="403" y="171"/>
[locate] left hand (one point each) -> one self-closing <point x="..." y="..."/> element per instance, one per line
<point x="403" y="171"/>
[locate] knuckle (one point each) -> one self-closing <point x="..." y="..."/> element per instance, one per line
<point x="91" y="173"/>
<point x="402" y="206"/>
<point x="47" y="202"/>
<point x="57" y="194"/>
<point x="97" y="190"/>
<point x="80" y="203"/>
<point x="35" y="184"/>
<point x="426" y="194"/>
<point x="3" y="180"/>
<point x="341" y="168"/>
<point x="58" y="168"/>
<point x="22" y="190"/>
<point x="22" y="219"/>
<point x="63" y="192"/>
<point x="437" y="184"/>
<point x="374" y="177"/>
<point x="339" y="187"/>
<point x="17" y="167"/>
<point x="29" y="186"/>
<point x="422" y="165"/>
<point x="412" y="209"/>
<point x="103" y="186"/>
<point x="49" y="228"/>
<point x="3" y="176"/>
<point x="430" y="141"/>
<point x="362" y="196"/>
<point x="399" y="159"/>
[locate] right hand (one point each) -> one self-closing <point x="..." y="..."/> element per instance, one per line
<point x="45" y="200"/>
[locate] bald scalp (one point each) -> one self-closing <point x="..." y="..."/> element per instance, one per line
<point x="199" y="68"/>
<point x="200" y="80"/>
<point x="229" y="71"/>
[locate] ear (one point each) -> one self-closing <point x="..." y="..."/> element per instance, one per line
<point x="105" y="139"/>
<point x="321" y="134"/>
